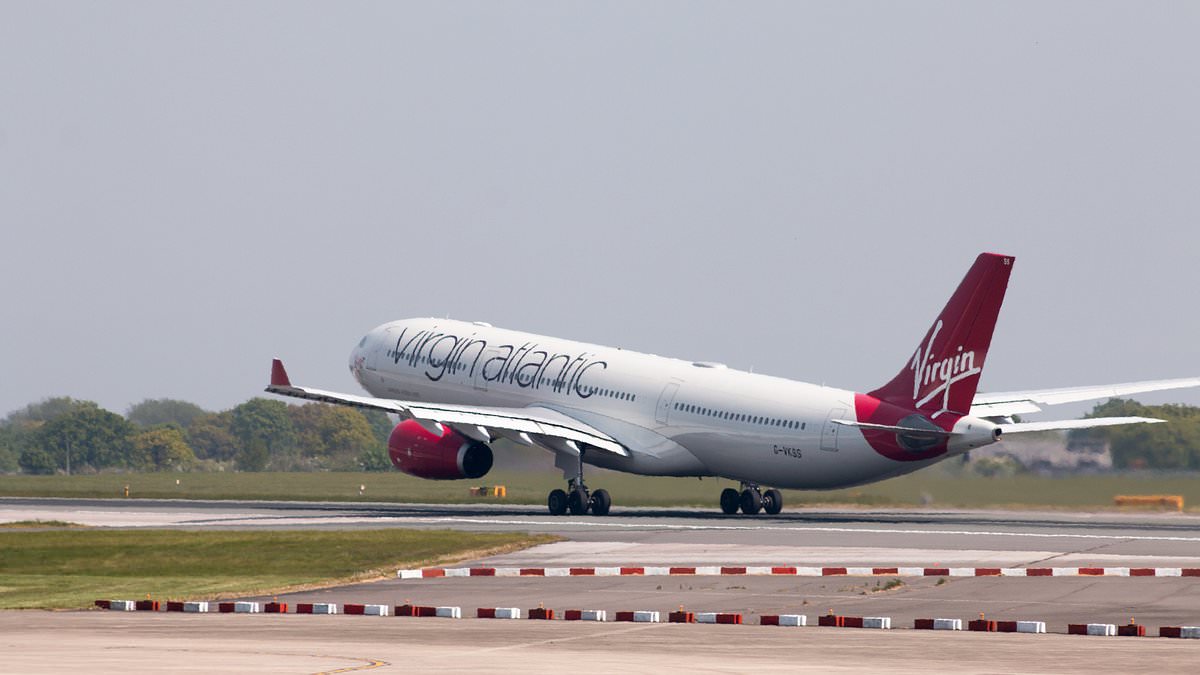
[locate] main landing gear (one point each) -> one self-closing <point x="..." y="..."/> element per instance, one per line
<point x="750" y="500"/>
<point x="577" y="499"/>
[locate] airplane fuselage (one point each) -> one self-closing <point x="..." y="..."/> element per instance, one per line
<point x="685" y="418"/>
<point x="458" y="386"/>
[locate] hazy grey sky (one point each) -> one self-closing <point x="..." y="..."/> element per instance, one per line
<point x="190" y="188"/>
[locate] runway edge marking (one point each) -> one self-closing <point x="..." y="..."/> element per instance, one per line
<point x="1025" y="572"/>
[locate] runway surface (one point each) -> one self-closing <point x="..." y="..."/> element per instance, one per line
<point x="681" y="536"/>
<point x="46" y="642"/>
<point x="110" y="641"/>
<point x="1057" y="601"/>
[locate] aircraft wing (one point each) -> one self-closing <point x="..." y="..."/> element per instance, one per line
<point x="1007" y="404"/>
<point x="542" y="426"/>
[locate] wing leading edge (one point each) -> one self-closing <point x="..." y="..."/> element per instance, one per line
<point x="533" y="425"/>
<point x="1001" y="406"/>
<point x="1009" y="403"/>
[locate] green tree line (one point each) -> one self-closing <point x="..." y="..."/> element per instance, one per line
<point x="65" y="435"/>
<point x="1174" y="445"/>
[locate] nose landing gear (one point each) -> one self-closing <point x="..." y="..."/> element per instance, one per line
<point x="750" y="500"/>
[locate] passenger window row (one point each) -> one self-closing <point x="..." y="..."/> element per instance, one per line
<point x="611" y="393"/>
<point x="740" y="417"/>
<point x="593" y="391"/>
<point x="545" y="382"/>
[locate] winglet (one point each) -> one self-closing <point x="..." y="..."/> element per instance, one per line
<point x="279" y="376"/>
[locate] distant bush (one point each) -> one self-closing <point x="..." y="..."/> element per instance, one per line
<point x="1174" y="445"/>
<point x="37" y="462"/>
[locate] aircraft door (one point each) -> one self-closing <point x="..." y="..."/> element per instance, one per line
<point x="665" y="401"/>
<point x="829" y="434"/>
<point x="376" y="349"/>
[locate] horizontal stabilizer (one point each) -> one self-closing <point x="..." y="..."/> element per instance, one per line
<point x="895" y="429"/>
<point x="1060" y="425"/>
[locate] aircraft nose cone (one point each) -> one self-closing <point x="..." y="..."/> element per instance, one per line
<point x="358" y="359"/>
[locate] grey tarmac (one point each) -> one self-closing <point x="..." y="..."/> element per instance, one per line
<point x="1058" y="601"/>
<point x="35" y="642"/>
<point x="679" y="535"/>
<point x="99" y="641"/>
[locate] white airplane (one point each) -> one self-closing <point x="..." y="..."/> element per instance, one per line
<point x="459" y="386"/>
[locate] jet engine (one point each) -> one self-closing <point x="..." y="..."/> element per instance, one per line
<point x="419" y="452"/>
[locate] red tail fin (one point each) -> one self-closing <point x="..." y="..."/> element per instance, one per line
<point x="944" y="371"/>
<point x="279" y="376"/>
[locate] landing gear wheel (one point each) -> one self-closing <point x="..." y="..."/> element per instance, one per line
<point x="730" y="500"/>
<point x="600" y="502"/>
<point x="751" y="502"/>
<point x="772" y="501"/>
<point x="577" y="502"/>
<point x="557" y="502"/>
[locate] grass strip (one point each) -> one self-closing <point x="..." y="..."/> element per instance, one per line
<point x="71" y="568"/>
<point x="39" y="525"/>
<point x="934" y="486"/>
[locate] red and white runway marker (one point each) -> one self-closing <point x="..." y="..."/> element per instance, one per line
<point x="712" y="570"/>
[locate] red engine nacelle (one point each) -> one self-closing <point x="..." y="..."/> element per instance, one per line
<point x="420" y="453"/>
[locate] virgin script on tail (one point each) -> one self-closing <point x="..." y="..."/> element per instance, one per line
<point x="944" y="373"/>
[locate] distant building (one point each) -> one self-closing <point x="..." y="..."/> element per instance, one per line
<point x="1052" y="453"/>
